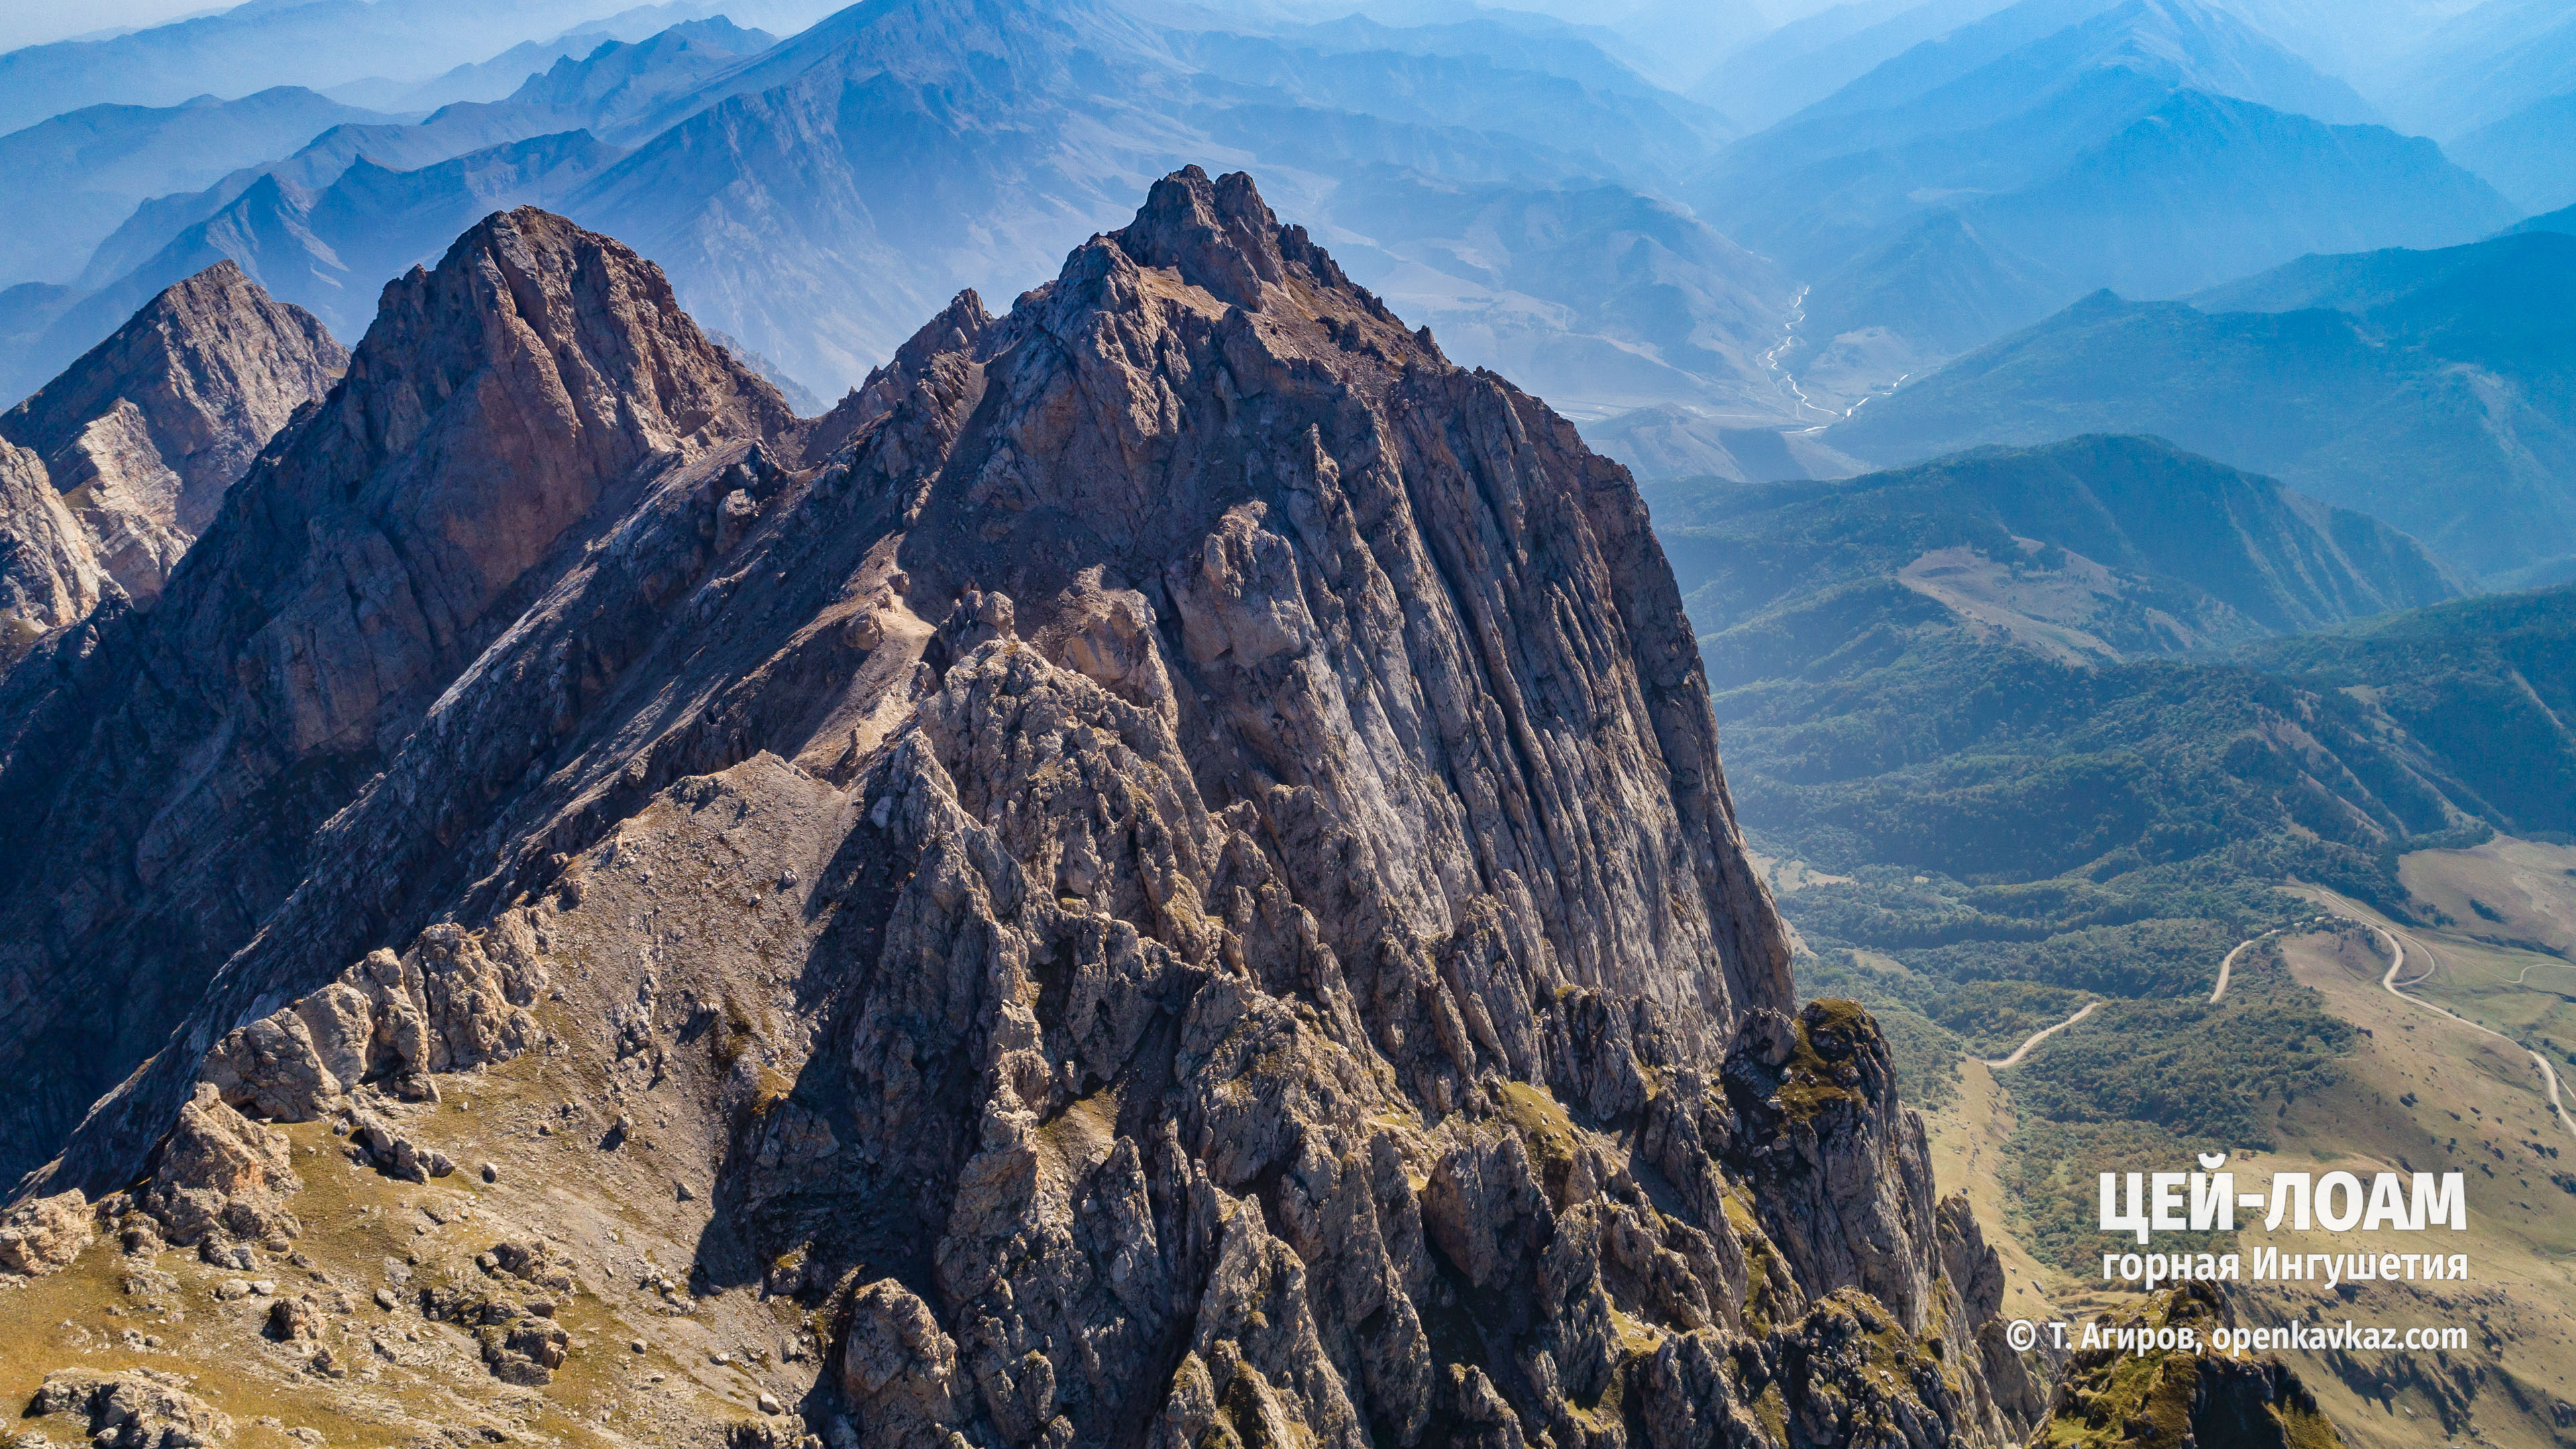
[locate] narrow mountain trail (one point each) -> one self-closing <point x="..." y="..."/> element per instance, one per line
<point x="2523" y="980"/>
<point x="2039" y="1036"/>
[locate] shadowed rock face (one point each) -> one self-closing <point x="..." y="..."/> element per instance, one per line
<point x="145" y="433"/>
<point x="1168" y="862"/>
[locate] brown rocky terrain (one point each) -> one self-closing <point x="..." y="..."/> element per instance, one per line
<point x="1161" y="877"/>
<point x="139" y="440"/>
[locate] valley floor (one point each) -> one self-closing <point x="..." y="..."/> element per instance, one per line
<point x="2421" y="1091"/>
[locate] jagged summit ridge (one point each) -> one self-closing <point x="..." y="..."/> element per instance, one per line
<point x="1175" y="884"/>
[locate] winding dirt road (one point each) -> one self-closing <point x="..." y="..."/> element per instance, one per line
<point x="2390" y="984"/>
<point x="2039" y="1036"/>
<point x="2227" y="967"/>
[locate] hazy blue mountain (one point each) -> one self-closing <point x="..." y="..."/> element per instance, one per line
<point x="1591" y="296"/>
<point x="1807" y="60"/>
<point x="2208" y="187"/>
<point x="2172" y="551"/>
<point x="2175" y="44"/>
<point x="1677" y="41"/>
<point x="73" y="178"/>
<point x="2561" y="220"/>
<point x="497" y="78"/>
<point x="1629" y="131"/>
<point x="256" y="46"/>
<point x="309" y="168"/>
<point x="1982" y="180"/>
<point x="1555" y="50"/>
<point x="2529" y="155"/>
<point x="2359" y="41"/>
<point x="618" y="90"/>
<point x="2502" y="302"/>
<point x="818" y="206"/>
<point x="2196" y="190"/>
<point x="329" y="251"/>
<point x="1929" y="129"/>
<point x="1952" y="55"/>
<point x="2483" y="66"/>
<point x="615" y="90"/>
<point x="1667" y="441"/>
<point x="1817" y="212"/>
<point x="811" y="200"/>
<point x="2195" y="45"/>
<point x="608" y="80"/>
<point x="2449" y="366"/>
<point x="1674" y="42"/>
<point x="1943" y="287"/>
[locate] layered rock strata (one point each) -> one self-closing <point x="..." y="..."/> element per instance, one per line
<point x="1164" y="872"/>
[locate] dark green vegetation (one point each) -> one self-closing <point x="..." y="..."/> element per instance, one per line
<point x="2489" y="684"/>
<point x="2064" y="717"/>
<point x="2354" y="378"/>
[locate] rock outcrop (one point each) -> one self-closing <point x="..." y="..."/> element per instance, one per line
<point x="1165" y="872"/>
<point x="221" y="1179"/>
<point x="144" y="434"/>
<point x="2176" y="1398"/>
<point x="46" y="1234"/>
<point x="139" y="1409"/>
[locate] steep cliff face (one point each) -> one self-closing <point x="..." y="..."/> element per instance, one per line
<point x="146" y="431"/>
<point x="49" y="569"/>
<point x="1161" y="877"/>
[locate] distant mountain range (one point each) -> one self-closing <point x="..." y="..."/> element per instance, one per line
<point x="1493" y="174"/>
<point x="2529" y="155"/>
<point x="1807" y="60"/>
<point x="2005" y="665"/>
<point x="2487" y="62"/>
<point x="2091" y="550"/>
<point x="1977" y="181"/>
<point x="321" y="45"/>
<point x="2428" y="389"/>
<point x="73" y="179"/>
<point x="810" y="197"/>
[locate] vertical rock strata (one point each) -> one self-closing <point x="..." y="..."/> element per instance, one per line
<point x="1170" y="856"/>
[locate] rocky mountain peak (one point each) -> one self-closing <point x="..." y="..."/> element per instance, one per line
<point x="1218" y="235"/>
<point x="1175" y="886"/>
<point x="520" y="393"/>
<point x="145" y="433"/>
